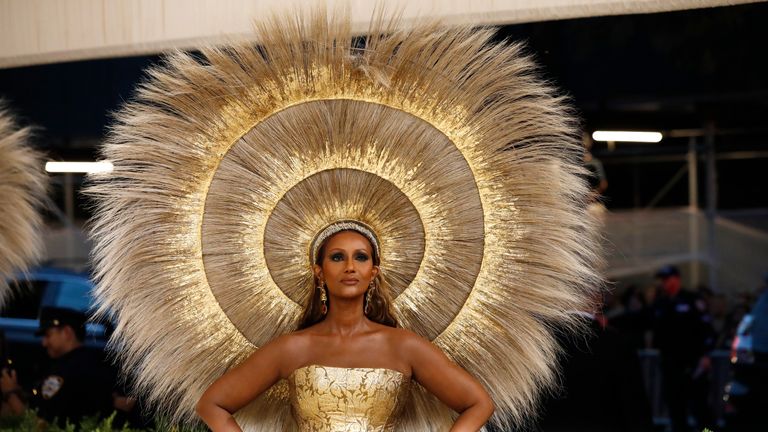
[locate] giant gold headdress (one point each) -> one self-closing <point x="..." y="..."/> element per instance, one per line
<point x="231" y="161"/>
<point x="22" y="190"/>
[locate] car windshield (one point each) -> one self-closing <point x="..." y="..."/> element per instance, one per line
<point x="25" y="299"/>
<point x="70" y="294"/>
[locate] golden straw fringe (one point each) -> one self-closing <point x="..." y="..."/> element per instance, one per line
<point x="449" y="145"/>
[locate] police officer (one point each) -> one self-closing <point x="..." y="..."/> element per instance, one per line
<point x="684" y="338"/>
<point x="77" y="382"/>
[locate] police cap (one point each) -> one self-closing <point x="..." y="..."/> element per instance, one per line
<point x="58" y="317"/>
<point x="667" y="271"/>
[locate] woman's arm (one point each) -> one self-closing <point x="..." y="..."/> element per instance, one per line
<point x="242" y="384"/>
<point x="450" y="383"/>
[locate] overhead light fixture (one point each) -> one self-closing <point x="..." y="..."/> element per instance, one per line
<point x="627" y="136"/>
<point x="78" y="167"/>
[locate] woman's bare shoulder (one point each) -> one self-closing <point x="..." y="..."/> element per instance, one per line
<point x="288" y="351"/>
<point x="413" y="345"/>
<point x="288" y="345"/>
<point x="404" y="338"/>
<point x="293" y="341"/>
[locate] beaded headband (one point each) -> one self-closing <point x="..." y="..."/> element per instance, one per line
<point x="344" y="225"/>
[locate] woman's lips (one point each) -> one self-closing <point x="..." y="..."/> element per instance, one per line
<point x="350" y="281"/>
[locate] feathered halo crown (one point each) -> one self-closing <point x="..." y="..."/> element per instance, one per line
<point x="229" y="162"/>
<point x="23" y="187"/>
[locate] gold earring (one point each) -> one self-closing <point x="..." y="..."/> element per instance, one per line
<point x="369" y="297"/>
<point x="323" y="298"/>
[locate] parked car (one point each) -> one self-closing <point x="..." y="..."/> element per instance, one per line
<point x="746" y="394"/>
<point x="19" y="317"/>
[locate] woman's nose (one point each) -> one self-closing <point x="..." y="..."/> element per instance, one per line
<point x="350" y="266"/>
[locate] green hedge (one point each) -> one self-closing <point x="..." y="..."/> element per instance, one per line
<point x="29" y="422"/>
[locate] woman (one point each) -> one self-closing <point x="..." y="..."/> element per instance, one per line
<point x="339" y="340"/>
<point x="234" y="161"/>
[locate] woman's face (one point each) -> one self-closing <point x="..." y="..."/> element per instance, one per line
<point x="347" y="266"/>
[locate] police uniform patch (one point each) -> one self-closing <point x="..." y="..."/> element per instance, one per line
<point x="51" y="385"/>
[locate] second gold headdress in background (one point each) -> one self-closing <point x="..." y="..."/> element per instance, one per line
<point x="22" y="191"/>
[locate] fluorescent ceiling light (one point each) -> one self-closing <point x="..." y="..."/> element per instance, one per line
<point x="78" y="167"/>
<point x="627" y="136"/>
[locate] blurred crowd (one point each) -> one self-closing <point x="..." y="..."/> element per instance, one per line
<point x="652" y="359"/>
<point x="714" y="318"/>
<point x="604" y="388"/>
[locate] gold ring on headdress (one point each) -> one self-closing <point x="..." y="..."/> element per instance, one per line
<point x="22" y="190"/>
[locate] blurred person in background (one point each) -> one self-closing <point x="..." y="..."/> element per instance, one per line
<point x="719" y="311"/>
<point x="635" y="322"/>
<point x="597" y="180"/>
<point x="735" y="315"/>
<point x="602" y="387"/>
<point x="747" y="390"/>
<point x="77" y="382"/>
<point x="130" y="409"/>
<point x="613" y="305"/>
<point x="760" y="349"/>
<point x="7" y="373"/>
<point x="684" y="338"/>
<point x="760" y="321"/>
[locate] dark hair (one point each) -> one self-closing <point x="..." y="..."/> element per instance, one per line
<point x="380" y="309"/>
<point x="79" y="332"/>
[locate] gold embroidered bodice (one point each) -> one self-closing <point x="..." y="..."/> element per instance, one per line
<point x="334" y="399"/>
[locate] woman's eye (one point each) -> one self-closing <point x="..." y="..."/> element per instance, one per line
<point x="362" y="257"/>
<point x="337" y="257"/>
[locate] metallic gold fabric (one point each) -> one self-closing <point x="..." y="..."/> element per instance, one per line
<point x="333" y="399"/>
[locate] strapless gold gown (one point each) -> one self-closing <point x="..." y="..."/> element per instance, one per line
<point x="333" y="399"/>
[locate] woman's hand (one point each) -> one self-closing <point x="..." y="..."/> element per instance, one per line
<point x="450" y="383"/>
